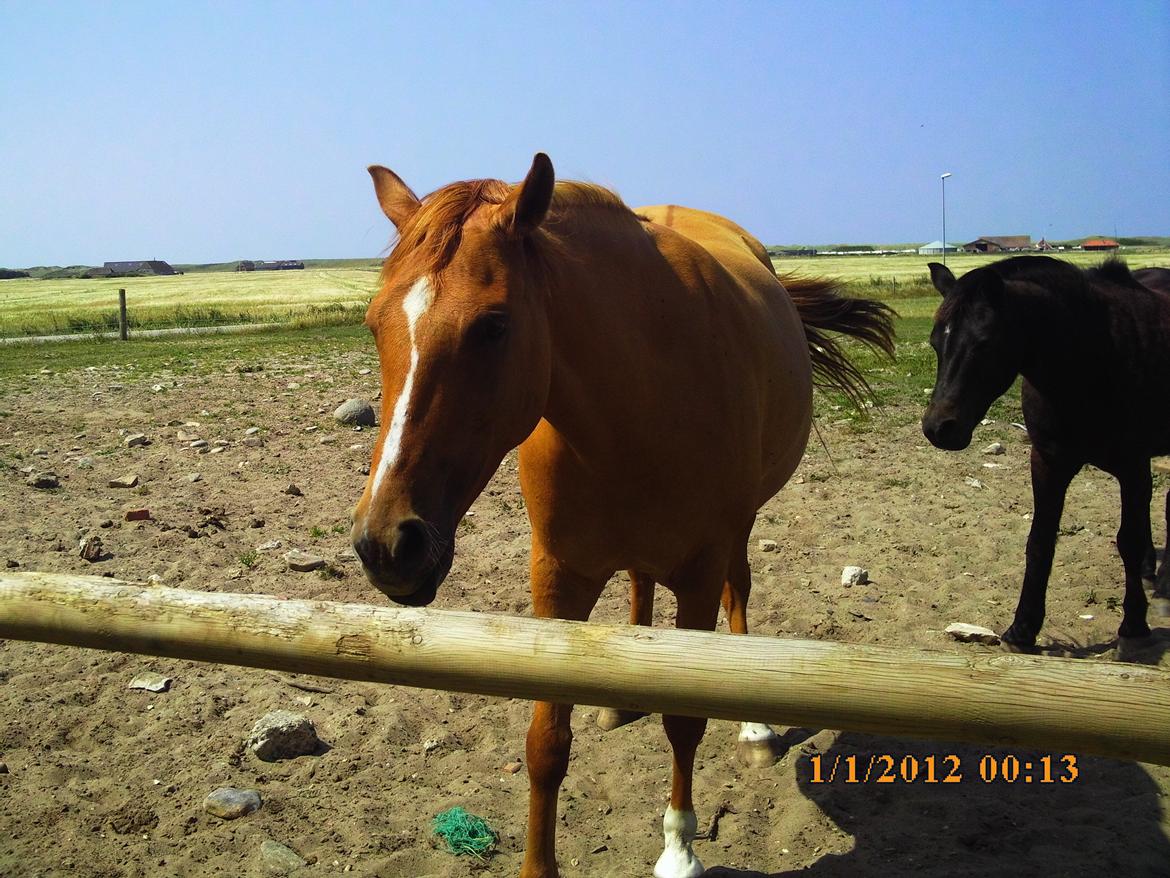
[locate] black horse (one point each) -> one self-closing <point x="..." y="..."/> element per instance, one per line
<point x="1093" y="347"/>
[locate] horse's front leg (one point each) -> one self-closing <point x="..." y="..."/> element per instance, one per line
<point x="697" y="588"/>
<point x="1050" y="481"/>
<point x="560" y="594"/>
<point x="1132" y="539"/>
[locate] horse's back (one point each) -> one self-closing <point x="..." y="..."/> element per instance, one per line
<point x="736" y="248"/>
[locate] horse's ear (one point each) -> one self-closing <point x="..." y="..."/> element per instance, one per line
<point x="394" y="196"/>
<point x="527" y="205"/>
<point x="941" y="277"/>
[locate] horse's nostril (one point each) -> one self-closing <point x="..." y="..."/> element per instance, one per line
<point x="411" y="544"/>
<point x="368" y="550"/>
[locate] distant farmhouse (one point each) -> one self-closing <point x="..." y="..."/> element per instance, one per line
<point x="936" y="247"/>
<point x="999" y="244"/>
<point x="1100" y="244"/>
<point x="274" y="265"/>
<point x="132" y="269"/>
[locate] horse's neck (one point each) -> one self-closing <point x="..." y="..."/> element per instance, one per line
<point x="1064" y="336"/>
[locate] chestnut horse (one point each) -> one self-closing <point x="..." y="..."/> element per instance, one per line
<point x="1093" y="347"/>
<point x="658" y="380"/>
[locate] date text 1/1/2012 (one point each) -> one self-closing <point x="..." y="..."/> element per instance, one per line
<point x="945" y="768"/>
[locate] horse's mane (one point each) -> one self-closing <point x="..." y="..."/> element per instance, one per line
<point x="429" y="239"/>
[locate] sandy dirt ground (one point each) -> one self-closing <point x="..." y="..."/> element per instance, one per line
<point x="105" y="781"/>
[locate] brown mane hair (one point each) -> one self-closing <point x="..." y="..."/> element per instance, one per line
<point x="429" y="239"/>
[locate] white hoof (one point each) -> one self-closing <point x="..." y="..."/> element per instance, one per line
<point x="758" y="746"/>
<point x="678" y="860"/>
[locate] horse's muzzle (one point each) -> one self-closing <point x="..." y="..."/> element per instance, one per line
<point x="409" y="567"/>
<point x="946" y="432"/>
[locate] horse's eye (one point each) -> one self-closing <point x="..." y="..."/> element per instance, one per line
<point x="490" y="327"/>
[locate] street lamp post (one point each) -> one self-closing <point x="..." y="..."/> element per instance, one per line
<point x="943" y="178"/>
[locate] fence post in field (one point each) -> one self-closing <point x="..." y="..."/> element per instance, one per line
<point x="123" y="328"/>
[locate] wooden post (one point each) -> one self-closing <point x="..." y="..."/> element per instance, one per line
<point x="1087" y="707"/>
<point x="123" y="327"/>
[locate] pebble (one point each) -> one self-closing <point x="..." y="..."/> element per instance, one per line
<point x="221" y="443"/>
<point x="135" y="439"/>
<point x="363" y="371"/>
<point x="91" y="549"/>
<point x="281" y="734"/>
<point x="269" y="546"/>
<point x="106" y="523"/>
<point x="294" y="491"/>
<point x="184" y="436"/>
<point x="138" y="515"/>
<point x="965" y="633"/>
<point x="974" y="483"/>
<point x="151" y="682"/>
<point x="251" y="431"/>
<point x="44" y="480"/>
<point x="130" y="480"/>
<point x="994" y="448"/>
<point x="303" y="562"/>
<point x="355" y="412"/>
<point x="195" y="477"/>
<point x="276" y="859"/>
<point x="198" y="443"/>
<point x="230" y="803"/>
<point x="853" y="575"/>
<point x="327" y="440"/>
<point x="768" y="545"/>
<point x="513" y="767"/>
<point x="253" y="441"/>
<point x="40" y="452"/>
<point x="218" y="449"/>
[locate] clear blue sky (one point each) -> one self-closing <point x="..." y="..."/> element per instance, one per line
<point x="205" y="132"/>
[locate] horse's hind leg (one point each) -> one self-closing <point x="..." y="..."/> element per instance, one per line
<point x="1134" y="533"/>
<point x="697" y="587"/>
<point x="758" y="745"/>
<point x="1162" y="583"/>
<point x="641" y="613"/>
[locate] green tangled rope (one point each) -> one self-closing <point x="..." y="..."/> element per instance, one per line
<point x="464" y="833"/>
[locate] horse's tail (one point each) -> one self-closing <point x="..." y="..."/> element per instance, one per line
<point x="823" y="310"/>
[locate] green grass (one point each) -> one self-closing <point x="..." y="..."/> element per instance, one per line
<point x="318" y="296"/>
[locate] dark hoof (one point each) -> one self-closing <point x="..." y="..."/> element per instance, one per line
<point x="1133" y="630"/>
<point x="1019" y="637"/>
<point x="609" y="719"/>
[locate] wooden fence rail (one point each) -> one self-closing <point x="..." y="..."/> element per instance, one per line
<point x="1087" y="707"/>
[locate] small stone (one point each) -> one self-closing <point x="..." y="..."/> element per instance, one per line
<point x="151" y="682"/>
<point x="91" y="549"/>
<point x="852" y="575"/>
<point x="10" y="564"/>
<point x="1088" y="617"/>
<point x="994" y="448"/>
<point x="256" y="522"/>
<point x="974" y="483"/>
<point x="230" y="803"/>
<point x="965" y="633"/>
<point x="195" y="477"/>
<point x="221" y="443"/>
<point x="292" y="385"/>
<point x="134" y="440"/>
<point x="106" y="523"/>
<point x="184" y="436"/>
<point x="44" y="480"/>
<point x="218" y="449"/>
<point x="138" y="515"/>
<point x="355" y="411"/>
<point x="600" y="849"/>
<point x="253" y="441"/>
<point x="363" y="371"/>
<point x="198" y="443"/>
<point x="157" y="388"/>
<point x="130" y="480"/>
<point x="327" y="440"/>
<point x="276" y="859"/>
<point x="303" y="562"/>
<point x="768" y="545"/>
<point x="282" y="734"/>
<point x="269" y="546"/>
<point x="513" y="767"/>
<point x="40" y="452"/>
<point x="294" y="491"/>
<point x="312" y="428"/>
<point x="251" y="431"/>
<point x="357" y="447"/>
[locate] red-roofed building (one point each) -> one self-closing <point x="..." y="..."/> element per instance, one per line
<point x="1100" y="244"/>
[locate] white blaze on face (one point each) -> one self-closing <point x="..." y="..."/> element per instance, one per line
<point x="678" y="860"/>
<point x="415" y="305"/>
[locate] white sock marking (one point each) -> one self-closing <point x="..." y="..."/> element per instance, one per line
<point x="755" y="732"/>
<point x="416" y="303"/>
<point x="678" y="860"/>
